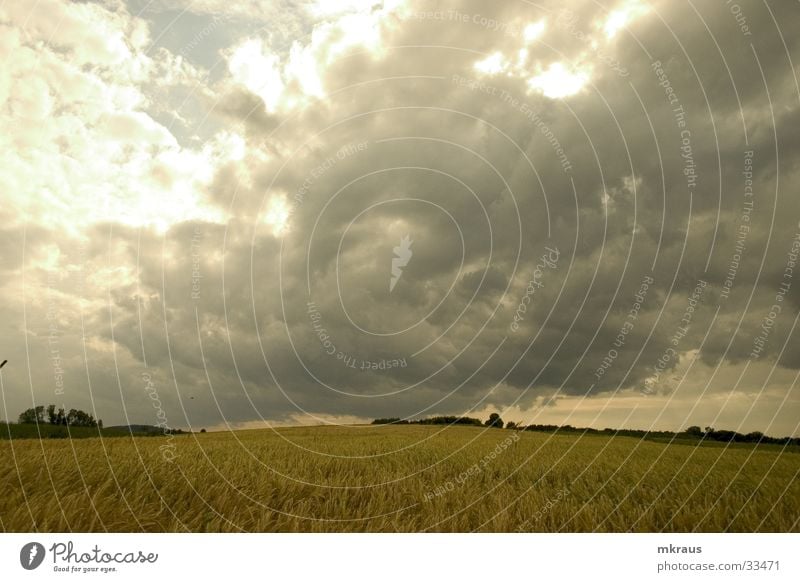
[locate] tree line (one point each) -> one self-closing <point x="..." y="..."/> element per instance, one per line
<point x="432" y="420"/>
<point x="58" y="417"/>
<point x="493" y="421"/>
<point x="692" y="433"/>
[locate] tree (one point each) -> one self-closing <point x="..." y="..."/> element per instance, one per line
<point x="494" y="421"/>
<point x="80" y="418"/>
<point x="28" y="416"/>
<point x="51" y="413"/>
<point x="694" y="431"/>
<point x="32" y="416"/>
<point x="511" y="425"/>
<point x="202" y="430"/>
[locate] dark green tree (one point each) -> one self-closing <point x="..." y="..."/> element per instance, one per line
<point x="80" y="418"/>
<point x="28" y="416"/>
<point x="494" y="421"/>
<point x="32" y="416"/>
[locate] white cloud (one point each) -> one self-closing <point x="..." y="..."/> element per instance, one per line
<point x="87" y="32"/>
<point x="287" y="83"/>
<point x="254" y="67"/>
<point x="101" y="155"/>
<point x="327" y="9"/>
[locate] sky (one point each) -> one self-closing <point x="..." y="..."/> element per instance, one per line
<point x="249" y="214"/>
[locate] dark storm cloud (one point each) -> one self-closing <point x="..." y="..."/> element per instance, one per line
<point x="577" y="314"/>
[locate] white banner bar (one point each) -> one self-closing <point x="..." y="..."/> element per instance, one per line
<point x="400" y="557"/>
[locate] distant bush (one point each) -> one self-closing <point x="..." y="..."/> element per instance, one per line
<point x="389" y="421"/>
<point x="451" y="420"/>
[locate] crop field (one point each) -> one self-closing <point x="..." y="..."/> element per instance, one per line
<point x="394" y="478"/>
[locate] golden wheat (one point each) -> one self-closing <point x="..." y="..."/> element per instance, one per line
<point x="394" y="478"/>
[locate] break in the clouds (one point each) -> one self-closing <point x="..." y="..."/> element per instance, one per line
<point x="282" y="212"/>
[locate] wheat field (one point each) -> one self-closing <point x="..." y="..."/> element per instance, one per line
<point x="394" y="479"/>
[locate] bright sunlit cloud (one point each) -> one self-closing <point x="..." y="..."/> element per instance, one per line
<point x="288" y="82"/>
<point x="621" y="17"/>
<point x="327" y="8"/>
<point x="558" y="82"/>
<point x="277" y="214"/>
<point x="252" y="66"/>
<point x="492" y="65"/>
<point x="534" y="31"/>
